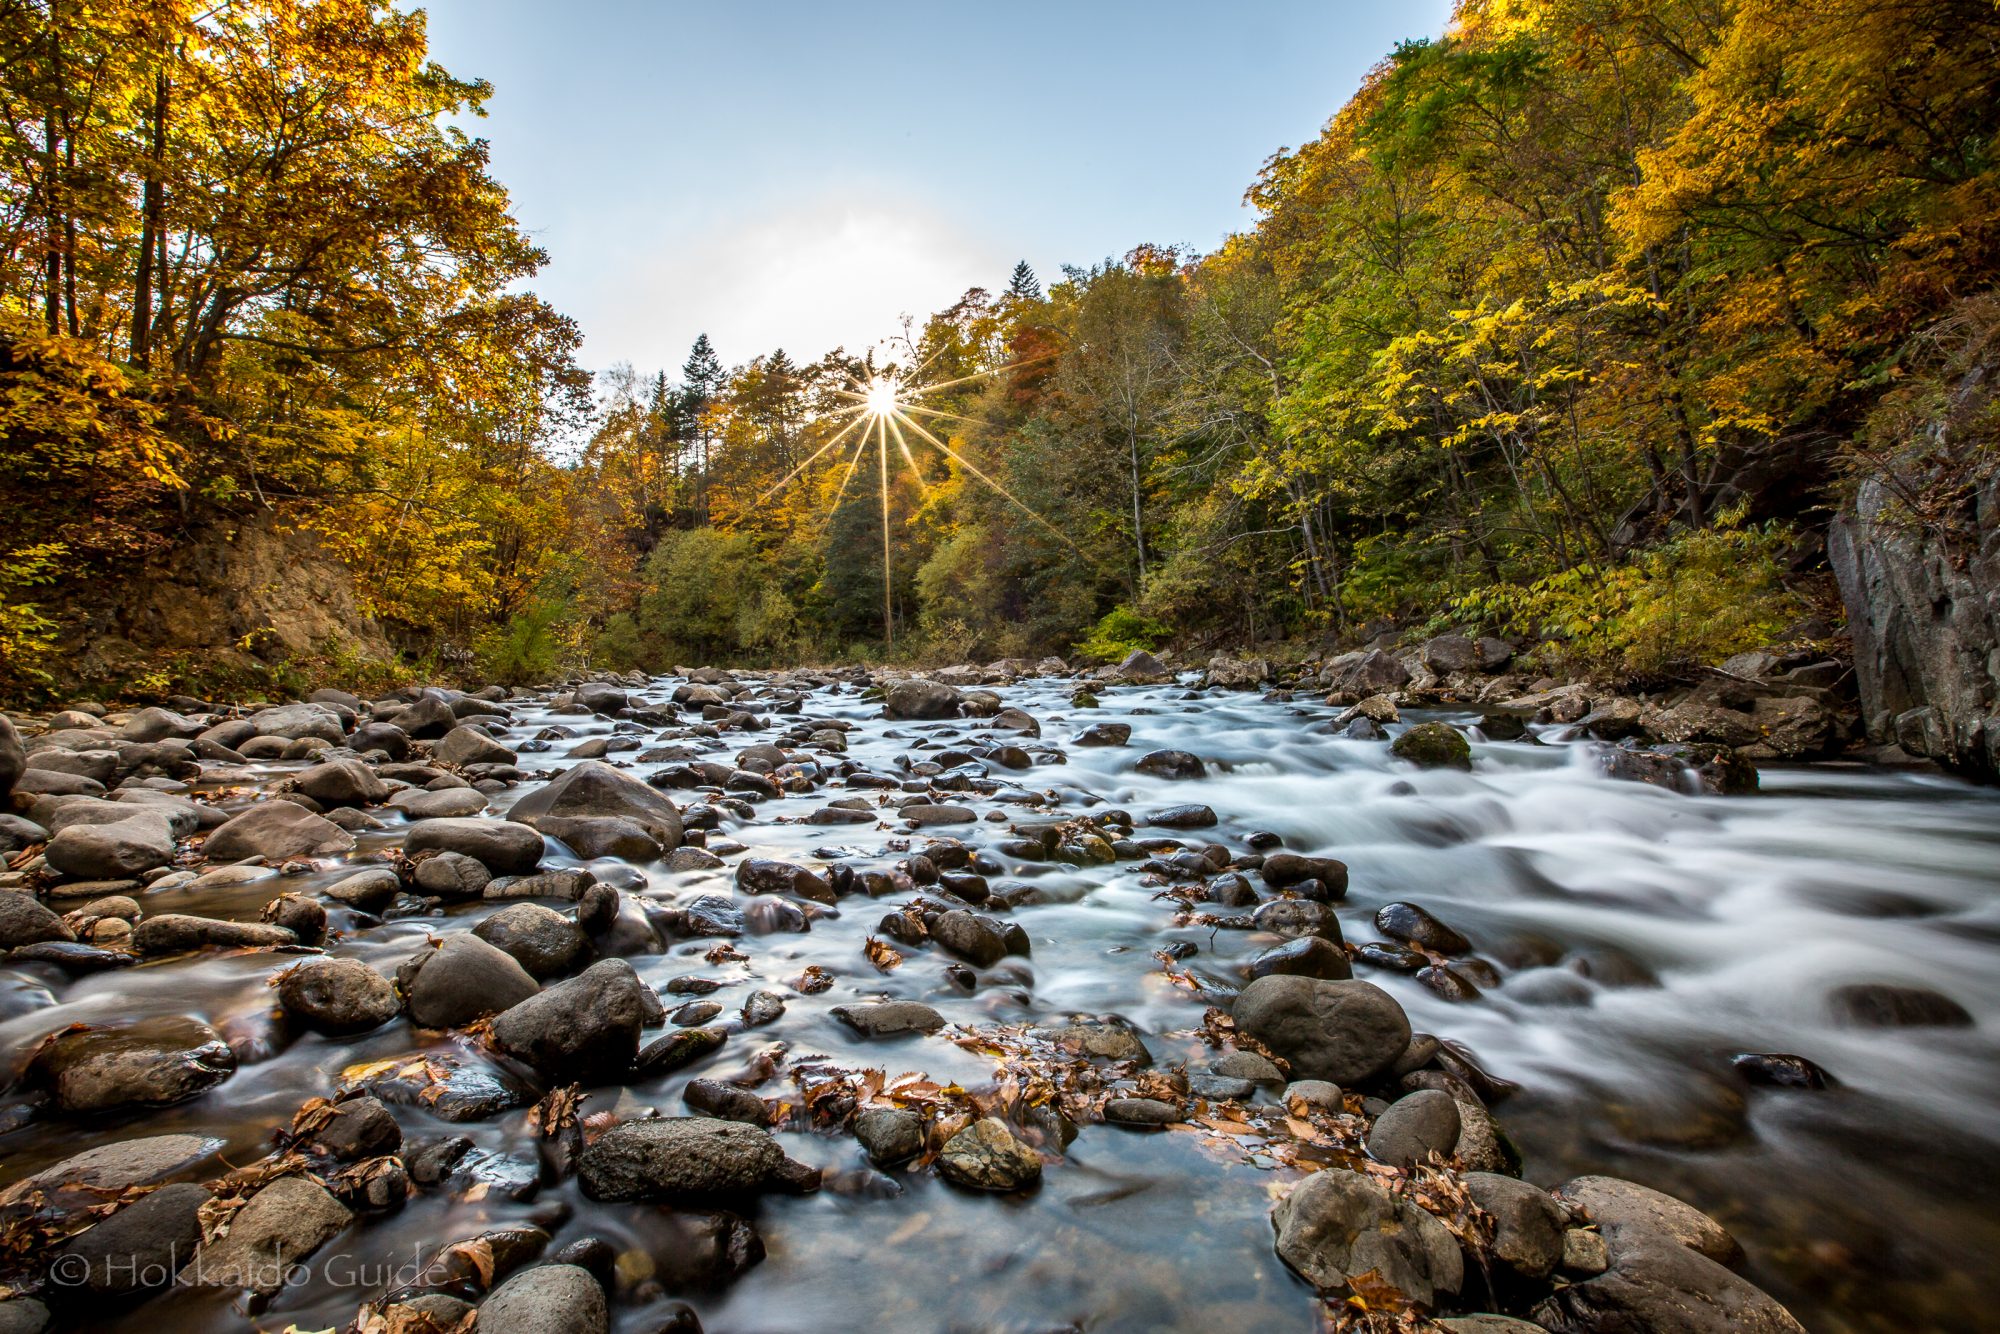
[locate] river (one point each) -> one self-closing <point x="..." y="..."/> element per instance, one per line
<point x="1642" y="937"/>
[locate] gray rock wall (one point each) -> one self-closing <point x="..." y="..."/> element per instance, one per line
<point x="1923" y="605"/>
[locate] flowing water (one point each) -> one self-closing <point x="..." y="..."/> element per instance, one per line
<point x="1642" y="936"/>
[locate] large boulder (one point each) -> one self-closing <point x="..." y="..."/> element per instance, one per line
<point x="585" y="1030"/>
<point x="117" y="850"/>
<point x="680" y="1158"/>
<point x="501" y="846"/>
<point x="1337" y="1225"/>
<point x="462" y="980"/>
<point x="598" y="811"/>
<point x="1433" y="746"/>
<point x="1345" y="1032"/>
<point x="151" y="1063"/>
<point x="921" y="700"/>
<point x="277" y="830"/>
<point x="1140" y="667"/>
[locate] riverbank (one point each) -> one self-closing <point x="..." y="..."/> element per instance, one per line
<point x="1111" y="914"/>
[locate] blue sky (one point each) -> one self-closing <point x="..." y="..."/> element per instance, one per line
<point x="800" y="175"/>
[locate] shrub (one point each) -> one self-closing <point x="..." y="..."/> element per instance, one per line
<point x="1120" y="632"/>
<point x="1696" y="599"/>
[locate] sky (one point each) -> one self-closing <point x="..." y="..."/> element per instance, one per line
<point x="802" y="175"/>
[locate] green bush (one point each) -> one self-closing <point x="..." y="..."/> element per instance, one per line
<point x="1696" y="599"/>
<point x="1121" y="631"/>
<point x="528" y="648"/>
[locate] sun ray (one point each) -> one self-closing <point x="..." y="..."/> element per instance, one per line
<point x="888" y="571"/>
<point x="780" y="485"/>
<point x="853" y="462"/>
<point x="920" y="390"/>
<point x="973" y="468"/>
<point x="923" y="488"/>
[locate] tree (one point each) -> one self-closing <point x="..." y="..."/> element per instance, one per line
<point x="1024" y="285"/>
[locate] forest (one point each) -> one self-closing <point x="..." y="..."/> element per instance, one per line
<point x="1571" y="324"/>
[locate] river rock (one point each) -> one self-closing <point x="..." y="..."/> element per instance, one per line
<point x="726" y="1102"/>
<point x="1617" y="1206"/>
<point x="1433" y="746"/>
<point x="1098" y="1039"/>
<point x="762" y="875"/>
<point x="13" y="757"/>
<point x="916" y="700"/>
<point x="465" y="745"/>
<point x="1175" y="764"/>
<point x="1415" y="925"/>
<point x="501" y="846"/>
<point x="1359" y="675"/>
<point x="452" y="875"/>
<point x="1416" y="1126"/>
<point x="277" y="830"/>
<point x="1141" y="1112"/>
<point x="337" y="997"/>
<point x="1528" y="1225"/>
<point x="596" y="809"/>
<point x="676" y="1050"/>
<point x="680" y="1158"/>
<point x="979" y="940"/>
<point x="280" y="1227"/>
<point x="357" y="1128"/>
<point x="1306" y="956"/>
<point x="1296" y="918"/>
<point x="890" y="1135"/>
<point x="986" y="1156"/>
<point x="1656" y="1284"/>
<point x="450" y="803"/>
<point x="141" y="1246"/>
<point x="881" y="1019"/>
<point x="141" y="1161"/>
<point x="178" y="933"/>
<point x="24" y="921"/>
<point x="462" y="980"/>
<point x="1337" y="1225"/>
<point x="546" y="1299"/>
<point x="118" y="850"/>
<point x="341" y="783"/>
<point x="584" y="1030"/>
<point x="152" y="1063"/>
<point x="371" y="891"/>
<point x="1281" y="870"/>
<point x="1105" y="734"/>
<point x="542" y="940"/>
<point x="297" y="722"/>
<point x="1873" y="1005"/>
<point x="1344" y="1032"/>
<point x="1140" y="666"/>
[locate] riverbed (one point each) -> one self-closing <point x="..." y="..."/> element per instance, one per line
<point x="1641" y="938"/>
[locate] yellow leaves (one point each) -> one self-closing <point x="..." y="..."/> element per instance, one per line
<point x="882" y="954"/>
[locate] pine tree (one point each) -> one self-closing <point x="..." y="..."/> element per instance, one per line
<point x="1024" y="285"/>
<point x="702" y="381"/>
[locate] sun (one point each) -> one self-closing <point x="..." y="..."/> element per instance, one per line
<point x="881" y="397"/>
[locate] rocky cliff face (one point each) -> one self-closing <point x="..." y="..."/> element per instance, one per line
<point x="1923" y="592"/>
<point x="239" y="592"/>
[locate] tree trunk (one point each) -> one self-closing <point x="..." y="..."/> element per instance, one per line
<point x="149" y="228"/>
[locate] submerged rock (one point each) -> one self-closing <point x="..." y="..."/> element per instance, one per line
<point x="151" y="1063"/>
